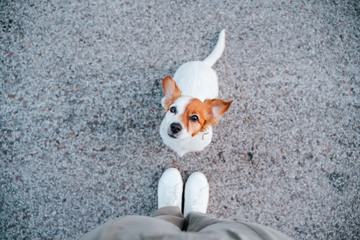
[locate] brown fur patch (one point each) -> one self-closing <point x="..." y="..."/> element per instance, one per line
<point x="201" y="110"/>
<point x="208" y="112"/>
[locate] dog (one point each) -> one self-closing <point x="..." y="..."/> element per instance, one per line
<point x="191" y="104"/>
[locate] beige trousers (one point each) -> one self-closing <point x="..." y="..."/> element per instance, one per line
<point x="169" y="223"/>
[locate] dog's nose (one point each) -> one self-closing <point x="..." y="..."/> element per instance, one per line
<point x="175" y="128"/>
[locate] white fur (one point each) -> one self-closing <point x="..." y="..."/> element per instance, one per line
<point x="195" y="79"/>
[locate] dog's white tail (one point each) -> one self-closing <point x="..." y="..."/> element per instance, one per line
<point x="218" y="50"/>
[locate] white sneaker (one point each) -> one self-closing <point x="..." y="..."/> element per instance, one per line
<point x="170" y="189"/>
<point x="196" y="194"/>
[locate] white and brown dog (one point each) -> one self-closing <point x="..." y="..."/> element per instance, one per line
<point x="191" y="104"/>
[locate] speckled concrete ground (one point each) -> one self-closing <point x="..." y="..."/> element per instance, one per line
<point x="80" y="112"/>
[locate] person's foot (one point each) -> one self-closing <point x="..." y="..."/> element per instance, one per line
<point x="196" y="194"/>
<point x="170" y="189"/>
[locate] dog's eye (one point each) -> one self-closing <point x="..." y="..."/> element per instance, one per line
<point x="194" y="118"/>
<point x="173" y="110"/>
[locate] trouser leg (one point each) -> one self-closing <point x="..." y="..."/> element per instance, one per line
<point x="166" y="223"/>
<point x="170" y="214"/>
<point x="195" y="221"/>
<point x="219" y="229"/>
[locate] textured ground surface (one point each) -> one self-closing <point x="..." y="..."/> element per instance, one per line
<point x="80" y="113"/>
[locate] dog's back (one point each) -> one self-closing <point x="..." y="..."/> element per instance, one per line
<point x="197" y="79"/>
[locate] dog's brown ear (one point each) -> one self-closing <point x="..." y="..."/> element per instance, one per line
<point x="217" y="108"/>
<point x="171" y="90"/>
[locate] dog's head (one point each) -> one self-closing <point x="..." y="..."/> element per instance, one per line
<point x="186" y="116"/>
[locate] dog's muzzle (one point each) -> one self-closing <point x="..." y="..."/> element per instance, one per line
<point x="175" y="128"/>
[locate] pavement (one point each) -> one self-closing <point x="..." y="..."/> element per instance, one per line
<point x="80" y="113"/>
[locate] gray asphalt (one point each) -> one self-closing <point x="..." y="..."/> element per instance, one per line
<point x="80" y="113"/>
